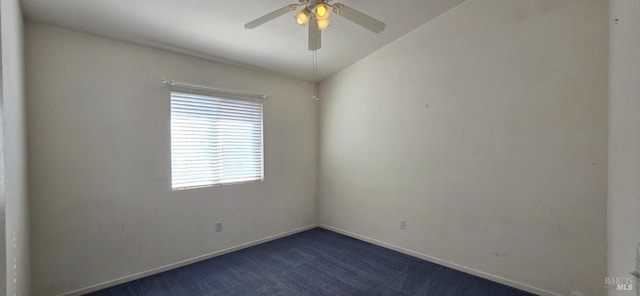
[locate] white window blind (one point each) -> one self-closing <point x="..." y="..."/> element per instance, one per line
<point x="215" y="140"/>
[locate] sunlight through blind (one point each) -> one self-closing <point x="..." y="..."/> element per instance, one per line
<point x="214" y="141"/>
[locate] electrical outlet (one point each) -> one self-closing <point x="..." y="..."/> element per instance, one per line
<point x="403" y="224"/>
<point x="218" y="226"/>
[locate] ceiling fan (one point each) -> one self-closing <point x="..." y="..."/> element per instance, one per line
<point x="316" y="14"/>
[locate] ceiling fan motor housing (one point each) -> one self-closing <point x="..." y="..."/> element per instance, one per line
<point x="311" y="4"/>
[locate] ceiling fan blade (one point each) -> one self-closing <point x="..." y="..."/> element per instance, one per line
<point x="263" y="19"/>
<point x="359" y="18"/>
<point x="315" y="35"/>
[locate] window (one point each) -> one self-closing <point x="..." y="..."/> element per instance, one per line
<point x="214" y="140"/>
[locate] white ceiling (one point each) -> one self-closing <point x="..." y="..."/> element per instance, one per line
<point x="214" y="29"/>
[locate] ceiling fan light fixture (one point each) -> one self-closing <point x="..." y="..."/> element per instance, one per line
<point x="303" y="17"/>
<point x="322" y="11"/>
<point x="323" y="23"/>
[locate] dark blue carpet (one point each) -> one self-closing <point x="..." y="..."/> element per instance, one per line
<point x="314" y="262"/>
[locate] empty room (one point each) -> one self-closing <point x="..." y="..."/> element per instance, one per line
<point x="320" y="147"/>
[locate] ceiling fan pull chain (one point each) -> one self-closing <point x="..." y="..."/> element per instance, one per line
<point x="315" y="76"/>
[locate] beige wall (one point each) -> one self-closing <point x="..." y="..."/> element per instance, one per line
<point x="624" y="141"/>
<point x="486" y="129"/>
<point x="15" y="154"/>
<point x="99" y="160"/>
<point x="3" y="239"/>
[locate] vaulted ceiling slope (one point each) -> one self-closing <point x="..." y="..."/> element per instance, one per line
<point x="214" y="29"/>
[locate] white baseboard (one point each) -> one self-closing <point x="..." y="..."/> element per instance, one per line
<point x="451" y="265"/>
<point x="478" y="273"/>
<point x="183" y="263"/>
